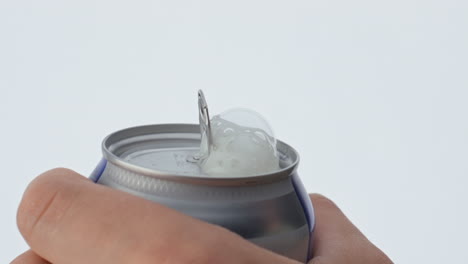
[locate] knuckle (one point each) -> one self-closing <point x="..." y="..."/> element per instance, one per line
<point x="363" y="250"/>
<point x="319" y="200"/>
<point x="59" y="171"/>
<point x="213" y="251"/>
<point x="382" y="258"/>
<point x="44" y="200"/>
<point x="187" y="249"/>
<point x="29" y="257"/>
<point x="317" y="260"/>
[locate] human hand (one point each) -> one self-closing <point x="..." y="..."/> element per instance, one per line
<point x="65" y="218"/>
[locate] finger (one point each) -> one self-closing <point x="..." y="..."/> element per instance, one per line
<point x="68" y="219"/>
<point x="337" y="240"/>
<point x="332" y="227"/>
<point x="29" y="257"/>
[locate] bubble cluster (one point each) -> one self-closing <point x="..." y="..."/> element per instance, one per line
<point x="243" y="144"/>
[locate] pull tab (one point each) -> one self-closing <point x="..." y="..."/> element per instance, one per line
<point x="204" y="119"/>
<point x="205" y="129"/>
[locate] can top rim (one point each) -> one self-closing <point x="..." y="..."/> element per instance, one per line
<point x="285" y="152"/>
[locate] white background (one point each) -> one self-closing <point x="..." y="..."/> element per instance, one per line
<point x="371" y="93"/>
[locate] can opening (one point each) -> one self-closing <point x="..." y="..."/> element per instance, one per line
<point x="162" y="151"/>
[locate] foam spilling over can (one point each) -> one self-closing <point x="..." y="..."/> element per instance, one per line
<point x="228" y="178"/>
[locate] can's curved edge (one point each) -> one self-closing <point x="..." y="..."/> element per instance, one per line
<point x="282" y="147"/>
<point x="97" y="172"/>
<point x="307" y="207"/>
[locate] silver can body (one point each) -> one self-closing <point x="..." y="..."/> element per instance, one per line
<point x="271" y="210"/>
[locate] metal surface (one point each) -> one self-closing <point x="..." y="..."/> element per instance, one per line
<point x="269" y="215"/>
<point x="205" y="123"/>
<point x="123" y="148"/>
<point x="271" y="210"/>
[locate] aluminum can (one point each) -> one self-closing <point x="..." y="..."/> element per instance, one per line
<point x="271" y="210"/>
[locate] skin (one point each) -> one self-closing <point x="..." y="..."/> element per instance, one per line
<point x="67" y="219"/>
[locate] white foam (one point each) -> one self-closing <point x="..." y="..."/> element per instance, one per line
<point x="239" y="150"/>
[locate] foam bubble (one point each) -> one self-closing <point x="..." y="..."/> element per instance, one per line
<point x="243" y="145"/>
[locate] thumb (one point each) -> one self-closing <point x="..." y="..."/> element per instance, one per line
<point x="336" y="240"/>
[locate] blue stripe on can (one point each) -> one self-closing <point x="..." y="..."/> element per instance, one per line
<point x="304" y="199"/>
<point x="97" y="172"/>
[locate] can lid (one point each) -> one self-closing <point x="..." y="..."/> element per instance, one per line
<point x="163" y="150"/>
